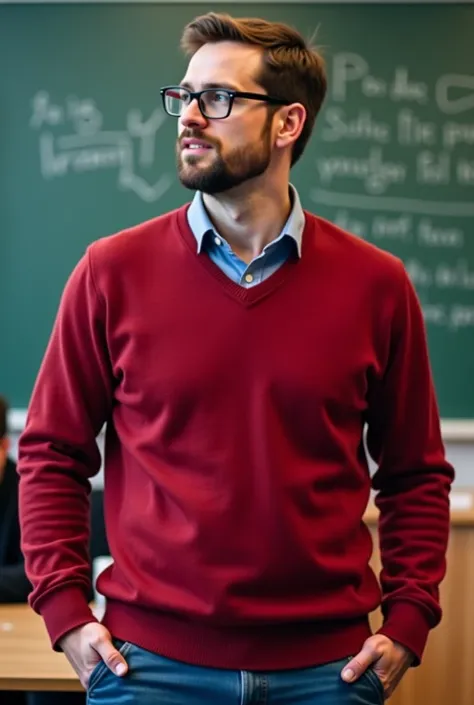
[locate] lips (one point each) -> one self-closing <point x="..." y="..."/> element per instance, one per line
<point x="193" y="143"/>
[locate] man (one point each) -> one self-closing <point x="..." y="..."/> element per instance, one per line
<point x="236" y="350"/>
<point x="14" y="585"/>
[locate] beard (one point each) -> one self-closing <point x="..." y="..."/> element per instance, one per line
<point x="222" y="174"/>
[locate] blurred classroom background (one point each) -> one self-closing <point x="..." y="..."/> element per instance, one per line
<point x="86" y="150"/>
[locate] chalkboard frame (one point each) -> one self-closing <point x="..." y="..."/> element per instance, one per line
<point x="236" y="2"/>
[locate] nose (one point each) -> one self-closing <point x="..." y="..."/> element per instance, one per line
<point x="192" y="116"/>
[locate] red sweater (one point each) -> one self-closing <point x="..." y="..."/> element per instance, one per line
<point x="235" y="476"/>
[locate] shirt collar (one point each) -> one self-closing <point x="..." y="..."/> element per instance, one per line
<point x="200" y="223"/>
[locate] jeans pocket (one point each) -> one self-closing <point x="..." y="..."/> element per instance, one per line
<point x="375" y="681"/>
<point x="101" y="668"/>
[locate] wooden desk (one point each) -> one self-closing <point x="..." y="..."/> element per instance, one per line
<point x="27" y="661"/>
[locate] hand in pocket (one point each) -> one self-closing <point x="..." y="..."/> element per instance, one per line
<point x="87" y="646"/>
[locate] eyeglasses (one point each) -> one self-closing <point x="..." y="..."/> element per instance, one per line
<point x="214" y="103"/>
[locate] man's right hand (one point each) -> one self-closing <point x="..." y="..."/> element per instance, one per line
<point x="86" y="646"/>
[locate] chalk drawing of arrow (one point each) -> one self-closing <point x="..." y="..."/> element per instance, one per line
<point x="452" y="106"/>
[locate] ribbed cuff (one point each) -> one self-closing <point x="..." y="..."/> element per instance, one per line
<point x="63" y="610"/>
<point x="407" y="624"/>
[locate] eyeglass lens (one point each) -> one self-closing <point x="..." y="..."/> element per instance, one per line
<point x="213" y="103"/>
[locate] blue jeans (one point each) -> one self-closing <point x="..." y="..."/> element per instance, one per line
<point x="153" y="679"/>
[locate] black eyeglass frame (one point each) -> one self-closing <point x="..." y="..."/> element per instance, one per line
<point x="196" y="95"/>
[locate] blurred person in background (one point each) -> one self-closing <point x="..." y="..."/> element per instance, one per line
<point x="14" y="585"/>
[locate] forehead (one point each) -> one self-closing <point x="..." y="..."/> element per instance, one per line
<point x="224" y="63"/>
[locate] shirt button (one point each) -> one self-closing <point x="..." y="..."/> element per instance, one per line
<point x="218" y="241"/>
<point x="249" y="278"/>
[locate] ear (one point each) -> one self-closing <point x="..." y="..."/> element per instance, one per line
<point x="290" y="122"/>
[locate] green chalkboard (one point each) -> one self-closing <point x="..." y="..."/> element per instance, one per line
<point x="85" y="150"/>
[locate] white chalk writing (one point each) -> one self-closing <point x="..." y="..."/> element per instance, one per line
<point x="90" y="148"/>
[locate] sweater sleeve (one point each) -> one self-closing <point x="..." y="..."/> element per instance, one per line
<point x="58" y="454"/>
<point x="412" y="482"/>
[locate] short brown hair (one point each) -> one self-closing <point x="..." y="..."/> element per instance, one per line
<point x="292" y="69"/>
<point x="3" y="417"/>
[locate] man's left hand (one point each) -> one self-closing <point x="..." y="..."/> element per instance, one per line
<point x="388" y="659"/>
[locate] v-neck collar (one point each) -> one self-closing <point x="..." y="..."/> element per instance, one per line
<point x="245" y="296"/>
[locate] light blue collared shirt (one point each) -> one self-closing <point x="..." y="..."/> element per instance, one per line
<point x="260" y="268"/>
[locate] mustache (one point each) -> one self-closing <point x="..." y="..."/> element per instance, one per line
<point x="190" y="134"/>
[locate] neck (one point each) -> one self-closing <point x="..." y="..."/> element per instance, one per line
<point x="249" y="219"/>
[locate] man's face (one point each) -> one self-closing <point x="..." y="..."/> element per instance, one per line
<point x="237" y="148"/>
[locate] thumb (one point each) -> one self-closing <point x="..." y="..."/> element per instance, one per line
<point x="358" y="665"/>
<point x="112" y="658"/>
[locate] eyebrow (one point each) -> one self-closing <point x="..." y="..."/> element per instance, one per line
<point x="205" y="86"/>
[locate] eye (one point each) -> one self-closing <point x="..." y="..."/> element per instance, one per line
<point x="218" y="97"/>
<point x="183" y="95"/>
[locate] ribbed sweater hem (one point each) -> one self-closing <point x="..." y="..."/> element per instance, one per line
<point x="260" y="647"/>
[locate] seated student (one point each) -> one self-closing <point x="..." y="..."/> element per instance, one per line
<point x="14" y="585"/>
